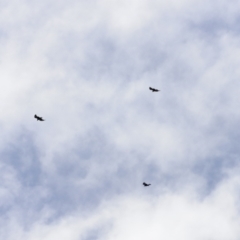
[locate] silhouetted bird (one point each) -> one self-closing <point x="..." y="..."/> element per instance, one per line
<point x="146" y="185"/>
<point x="38" y="118"/>
<point x="154" y="90"/>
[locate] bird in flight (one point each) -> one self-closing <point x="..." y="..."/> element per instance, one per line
<point x="154" y="90"/>
<point x="38" y="118"/>
<point x="146" y="185"/>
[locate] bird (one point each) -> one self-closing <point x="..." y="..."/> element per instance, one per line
<point x="146" y="184"/>
<point x="154" y="90"/>
<point x="38" y="118"/>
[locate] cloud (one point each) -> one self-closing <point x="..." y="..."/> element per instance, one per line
<point x="179" y="214"/>
<point x="86" y="68"/>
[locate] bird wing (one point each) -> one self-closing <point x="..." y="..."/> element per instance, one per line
<point x="38" y="118"/>
<point x="154" y="89"/>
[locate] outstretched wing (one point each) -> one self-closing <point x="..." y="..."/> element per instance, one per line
<point x="154" y="89"/>
<point x="145" y="184"/>
<point x="38" y="118"/>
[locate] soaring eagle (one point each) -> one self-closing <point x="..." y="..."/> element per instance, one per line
<point x="38" y="118"/>
<point x="146" y="185"/>
<point x="154" y="90"/>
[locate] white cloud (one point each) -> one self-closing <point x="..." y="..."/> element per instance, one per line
<point x="181" y="215"/>
<point x="86" y="67"/>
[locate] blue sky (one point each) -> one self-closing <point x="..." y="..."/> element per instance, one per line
<point x="86" y="66"/>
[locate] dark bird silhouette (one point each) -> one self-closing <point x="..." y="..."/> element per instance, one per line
<point x="154" y="90"/>
<point x="38" y="118"/>
<point x="146" y="185"/>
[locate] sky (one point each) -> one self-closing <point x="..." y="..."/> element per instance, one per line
<point x="86" y="68"/>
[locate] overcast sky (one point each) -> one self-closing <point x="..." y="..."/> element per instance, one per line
<point x="85" y="66"/>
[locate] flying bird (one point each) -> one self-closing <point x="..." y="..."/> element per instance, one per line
<point x="146" y="185"/>
<point x="154" y="90"/>
<point x="38" y="118"/>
